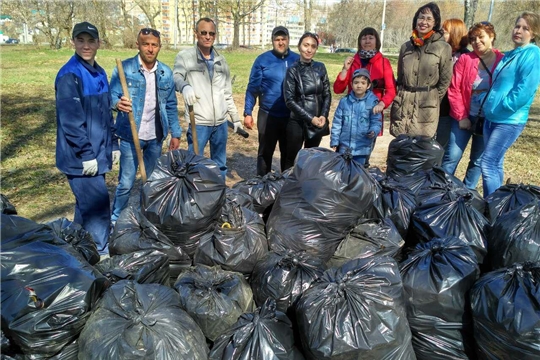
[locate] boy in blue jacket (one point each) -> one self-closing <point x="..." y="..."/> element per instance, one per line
<point x="84" y="133"/>
<point x="355" y="125"/>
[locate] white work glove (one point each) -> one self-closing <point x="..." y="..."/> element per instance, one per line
<point x="238" y="125"/>
<point x="90" y="167"/>
<point x="115" y="157"/>
<point x="189" y="95"/>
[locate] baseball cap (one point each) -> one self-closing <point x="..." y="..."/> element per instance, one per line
<point x="280" y="30"/>
<point x="361" y="72"/>
<point x="85" y="27"/>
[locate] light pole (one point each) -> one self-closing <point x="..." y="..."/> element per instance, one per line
<point x="383" y="25"/>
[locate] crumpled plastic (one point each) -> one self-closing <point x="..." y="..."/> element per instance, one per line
<point x="371" y="237"/>
<point x="437" y="277"/>
<point x="356" y="311"/>
<point x="515" y="236"/>
<point x="284" y="276"/>
<point x="410" y="154"/>
<point x="506" y="312"/>
<point x="141" y="321"/>
<point x="265" y="334"/>
<point x="235" y="245"/>
<point x="6" y="207"/>
<point x="80" y="239"/>
<point x="510" y="197"/>
<point x="323" y="198"/>
<point x="398" y="204"/>
<point x="215" y="298"/>
<point x="263" y="190"/>
<point x="183" y="197"/>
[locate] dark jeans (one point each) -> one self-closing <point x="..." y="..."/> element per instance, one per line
<point x="272" y="130"/>
<point x="295" y="139"/>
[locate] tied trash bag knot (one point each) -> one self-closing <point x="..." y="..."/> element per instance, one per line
<point x="143" y="319"/>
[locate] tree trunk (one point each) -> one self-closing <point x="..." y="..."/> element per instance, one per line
<point x="236" y="32"/>
<point x="470" y="9"/>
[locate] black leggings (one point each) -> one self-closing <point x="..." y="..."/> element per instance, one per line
<point x="295" y="140"/>
<point x="272" y="130"/>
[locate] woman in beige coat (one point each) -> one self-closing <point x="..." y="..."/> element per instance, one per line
<point x="424" y="74"/>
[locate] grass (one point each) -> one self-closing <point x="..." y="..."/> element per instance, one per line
<point x="28" y="130"/>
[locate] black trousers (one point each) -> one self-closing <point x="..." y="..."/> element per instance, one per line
<point x="295" y="140"/>
<point x="272" y="130"/>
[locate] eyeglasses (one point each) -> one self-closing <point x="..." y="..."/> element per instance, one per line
<point x="204" y="33"/>
<point x="147" y="31"/>
<point x="426" y="19"/>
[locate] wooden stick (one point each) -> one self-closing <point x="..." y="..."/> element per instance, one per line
<point x="193" y="129"/>
<point x="134" y="132"/>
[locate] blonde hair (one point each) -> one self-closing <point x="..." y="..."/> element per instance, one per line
<point x="533" y="20"/>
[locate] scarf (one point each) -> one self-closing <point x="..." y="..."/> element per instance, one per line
<point x="419" y="41"/>
<point x="367" y="54"/>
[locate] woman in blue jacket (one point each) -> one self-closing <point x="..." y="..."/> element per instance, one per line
<point x="506" y="109"/>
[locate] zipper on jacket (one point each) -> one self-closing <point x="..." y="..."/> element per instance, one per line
<point x="316" y="89"/>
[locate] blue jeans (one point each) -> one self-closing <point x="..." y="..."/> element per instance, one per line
<point x="443" y="130"/>
<point x="361" y="159"/>
<point x="217" y="135"/>
<point x="128" y="170"/>
<point x="497" y="139"/>
<point x="92" y="208"/>
<point x="457" y="143"/>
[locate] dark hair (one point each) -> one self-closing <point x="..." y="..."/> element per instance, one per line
<point x="311" y="35"/>
<point x="205" y="19"/>
<point x="434" y="8"/>
<point x="369" y="31"/>
<point x="457" y="33"/>
<point x="533" y="20"/>
<point x="484" y="25"/>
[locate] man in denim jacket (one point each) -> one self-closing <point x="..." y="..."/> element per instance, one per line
<point x="203" y="77"/>
<point x="154" y="105"/>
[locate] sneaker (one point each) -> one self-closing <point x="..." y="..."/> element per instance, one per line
<point x="113" y="224"/>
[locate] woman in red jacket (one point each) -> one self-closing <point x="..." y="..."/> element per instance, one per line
<point x="382" y="75"/>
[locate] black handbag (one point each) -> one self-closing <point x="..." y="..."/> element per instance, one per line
<point x="311" y="131"/>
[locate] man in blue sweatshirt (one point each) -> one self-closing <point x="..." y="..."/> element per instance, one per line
<point x="266" y="83"/>
<point x="84" y="133"/>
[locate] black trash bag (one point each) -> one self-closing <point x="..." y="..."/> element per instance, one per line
<point x="506" y="313"/>
<point x="48" y="289"/>
<point x="215" y="298"/>
<point x="284" y="276"/>
<point x="141" y="321"/>
<point x="410" y="154"/>
<point x="265" y="334"/>
<point x="356" y="311"/>
<point x="183" y="197"/>
<point x="371" y="237"/>
<point x="515" y="236"/>
<point x="376" y="210"/>
<point x="80" y="239"/>
<point x="18" y="231"/>
<point x="235" y="245"/>
<point x="510" y="197"/>
<point x="144" y="267"/>
<point x="133" y="232"/>
<point x="323" y="198"/>
<point x="263" y="190"/>
<point x="235" y="197"/>
<point x="452" y="218"/>
<point x="398" y="204"/>
<point x="376" y="173"/>
<point x="437" y="277"/>
<point x="6" y="207"/>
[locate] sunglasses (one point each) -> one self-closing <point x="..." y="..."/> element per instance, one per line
<point x="204" y="33"/>
<point x="147" y="31"/>
<point x="483" y="23"/>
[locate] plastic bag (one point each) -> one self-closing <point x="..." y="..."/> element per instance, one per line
<point x="141" y="321"/>
<point x="263" y="190"/>
<point x="452" y="218"/>
<point x="233" y="198"/>
<point x="437" y="277"/>
<point x="506" y="313"/>
<point x="6" y="207"/>
<point x="144" y="267"/>
<point x="510" y="197"/>
<point x="79" y="238"/>
<point x="265" y="334"/>
<point x="515" y="236"/>
<point x="284" y="276"/>
<point x="323" y="198"/>
<point x="183" y="197"/>
<point x="410" y="154"/>
<point x="356" y="311"/>
<point x="215" y="298"/>
<point x="398" y="204"/>
<point x="235" y="245"/>
<point x="371" y="237"/>
<point x="48" y="288"/>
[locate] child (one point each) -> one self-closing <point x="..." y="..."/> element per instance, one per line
<point x="355" y="125"/>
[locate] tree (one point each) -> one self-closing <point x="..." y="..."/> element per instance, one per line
<point x="470" y="10"/>
<point x="308" y="6"/>
<point x="150" y="10"/>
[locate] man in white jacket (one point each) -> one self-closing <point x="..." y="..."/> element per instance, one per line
<point x="203" y="77"/>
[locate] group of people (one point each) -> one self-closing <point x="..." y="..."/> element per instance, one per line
<point x="442" y="90"/>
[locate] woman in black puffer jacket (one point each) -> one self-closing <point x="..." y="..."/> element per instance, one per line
<point x="307" y="94"/>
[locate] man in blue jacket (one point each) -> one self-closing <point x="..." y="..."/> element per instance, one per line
<point x="266" y="83"/>
<point x="84" y="133"/>
<point x="152" y="99"/>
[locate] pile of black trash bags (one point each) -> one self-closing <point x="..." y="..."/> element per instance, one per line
<point x="326" y="261"/>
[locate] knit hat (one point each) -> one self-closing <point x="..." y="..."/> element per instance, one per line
<point x="361" y="72"/>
